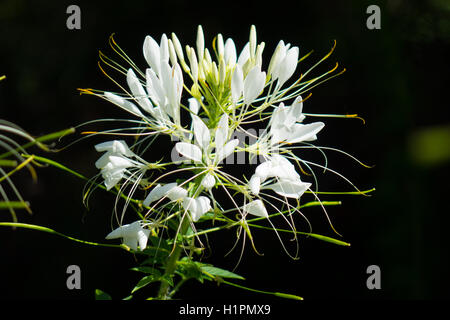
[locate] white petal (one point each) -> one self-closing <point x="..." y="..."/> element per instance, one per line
<point x="116" y="233"/>
<point x="221" y="132"/>
<point x="254" y="84"/>
<point x="168" y="85"/>
<point x="203" y="206"/>
<point x="201" y="132"/>
<point x="277" y="56"/>
<point x="158" y="192"/>
<point x="208" y="181"/>
<point x="124" y="104"/>
<point x="193" y="64"/>
<point x="230" y="52"/>
<point x="288" y="65"/>
<point x="252" y="41"/>
<point x="305" y="132"/>
<point x="130" y="241"/>
<point x="200" y="42"/>
<point x="138" y="91"/>
<point x="237" y="84"/>
<point x="189" y="204"/>
<point x="152" y="53"/>
<point x="256" y="208"/>
<point x="263" y="170"/>
<point x="190" y="151"/>
<point x="124" y="230"/>
<point x="113" y="178"/>
<point x="296" y="110"/>
<point x="197" y="207"/>
<point x="289" y="189"/>
<point x="143" y="238"/>
<point x="227" y="150"/>
<point x="102" y="161"/>
<point x="177" y="193"/>
<point x="164" y="49"/>
<point x="172" y="53"/>
<point x="120" y="162"/>
<point x="255" y="184"/>
<point x="244" y="56"/>
<point x="194" y="105"/>
<point x="154" y="88"/>
<point x="115" y="146"/>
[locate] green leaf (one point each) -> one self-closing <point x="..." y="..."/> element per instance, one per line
<point x="144" y="282"/>
<point x="287" y="296"/>
<point x="210" y="270"/>
<point x="101" y="295"/>
<point x="148" y="270"/>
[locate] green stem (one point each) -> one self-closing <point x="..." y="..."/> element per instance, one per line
<point x="48" y="230"/>
<point x="171" y="264"/>
<point x="278" y="294"/>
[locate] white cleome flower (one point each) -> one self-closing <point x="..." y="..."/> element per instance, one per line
<point x="286" y="181"/>
<point x="197" y="207"/>
<point x="132" y="234"/>
<point x="117" y="162"/>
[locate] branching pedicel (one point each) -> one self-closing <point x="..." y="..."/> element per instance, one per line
<point x="227" y="94"/>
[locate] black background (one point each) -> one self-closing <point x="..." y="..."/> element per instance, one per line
<point x="396" y="80"/>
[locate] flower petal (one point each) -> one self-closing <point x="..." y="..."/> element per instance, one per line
<point x="138" y="91"/>
<point x="256" y="208"/>
<point x="158" y="192"/>
<point x="227" y="150"/>
<point x="230" y="52"/>
<point x="221" y="132"/>
<point x="152" y="54"/>
<point x="115" y="146"/>
<point x="201" y="132"/>
<point x="208" y="181"/>
<point x="142" y="236"/>
<point x="124" y="104"/>
<point x="305" y="132"/>
<point x="288" y="65"/>
<point x="237" y="84"/>
<point x="254" y="84"/>
<point x="255" y="184"/>
<point x="190" y="151"/>
<point x="177" y="193"/>
<point x="194" y="105"/>
<point x="288" y="188"/>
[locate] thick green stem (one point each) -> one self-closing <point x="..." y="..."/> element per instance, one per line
<point x="171" y="265"/>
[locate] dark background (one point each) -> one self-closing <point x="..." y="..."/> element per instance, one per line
<point x="396" y="80"/>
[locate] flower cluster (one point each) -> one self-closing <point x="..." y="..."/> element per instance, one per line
<point x="200" y="99"/>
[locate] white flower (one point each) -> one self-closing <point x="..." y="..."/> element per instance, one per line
<point x="115" y="162"/>
<point x="170" y="190"/>
<point x="286" y="183"/>
<point x="132" y="234"/>
<point x="200" y="152"/>
<point x="197" y="207"/>
<point x="256" y="208"/>
<point x="283" y="63"/>
<point x="284" y="126"/>
<point x="250" y="87"/>
<point x="208" y="181"/>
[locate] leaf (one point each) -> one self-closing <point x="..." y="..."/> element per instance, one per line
<point x="210" y="270"/>
<point x="149" y="270"/>
<point x="101" y="295"/>
<point x="144" y="282"/>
